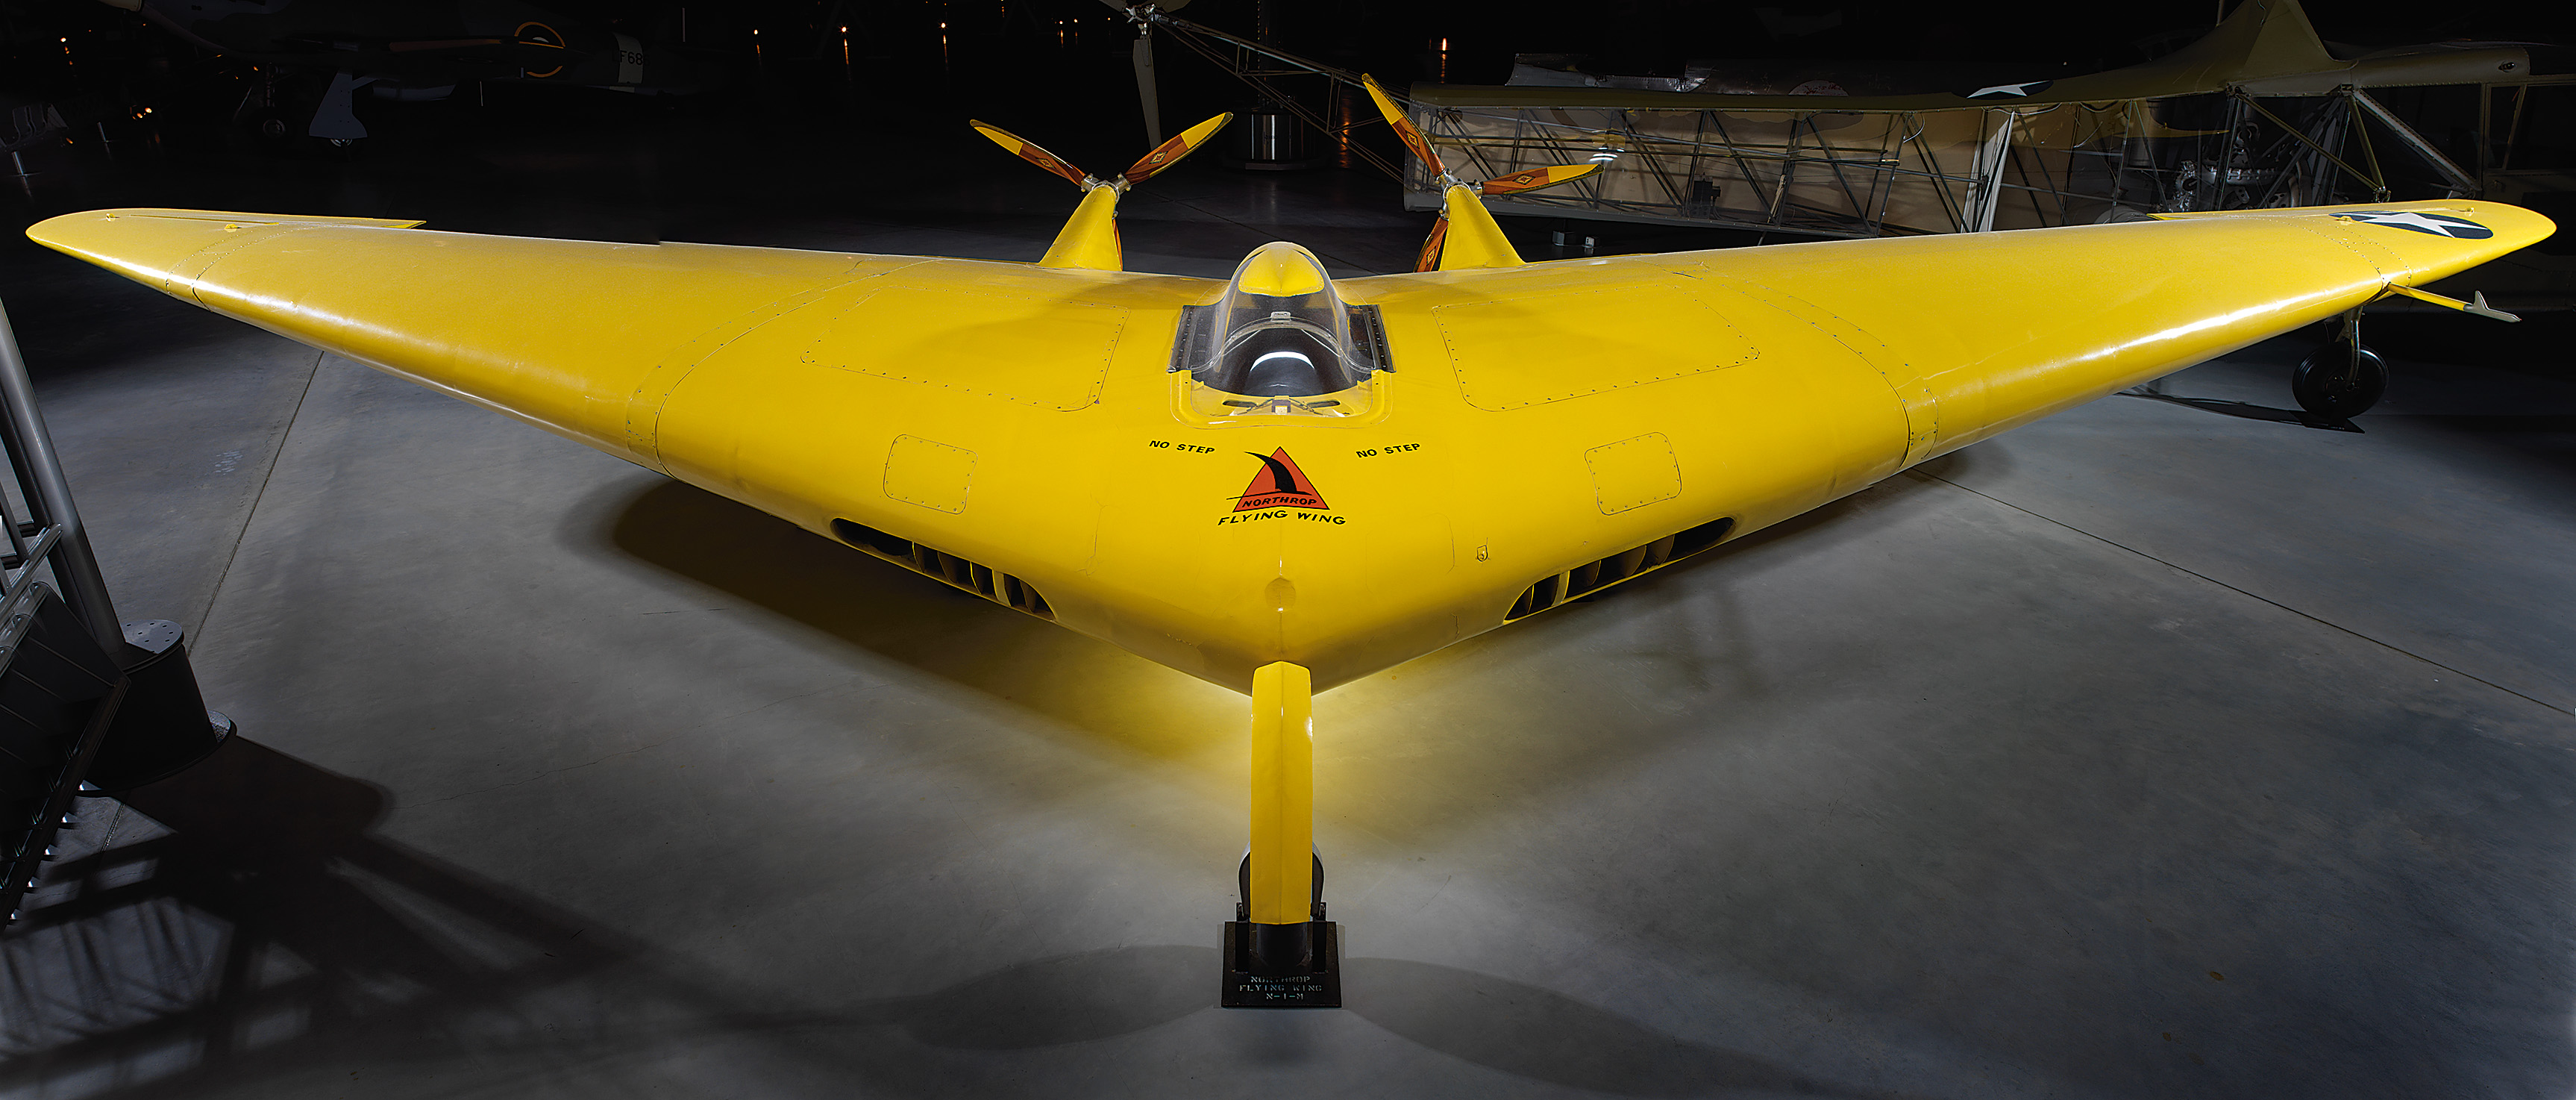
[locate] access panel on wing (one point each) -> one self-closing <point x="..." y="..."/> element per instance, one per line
<point x="1042" y="350"/>
<point x="1522" y="350"/>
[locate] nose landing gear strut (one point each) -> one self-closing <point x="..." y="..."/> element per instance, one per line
<point x="1280" y="952"/>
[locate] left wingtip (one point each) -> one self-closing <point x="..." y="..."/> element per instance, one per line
<point x="146" y="242"/>
<point x="66" y="226"/>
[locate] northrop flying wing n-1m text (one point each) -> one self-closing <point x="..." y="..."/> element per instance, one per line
<point x="1257" y="480"/>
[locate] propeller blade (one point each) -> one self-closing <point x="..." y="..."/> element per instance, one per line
<point x="1536" y="178"/>
<point x="1028" y="150"/>
<point x="1429" y="260"/>
<point x="1413" y="138"/>
<point x="1145" y="87"/>
<point x="1170" y="152"/>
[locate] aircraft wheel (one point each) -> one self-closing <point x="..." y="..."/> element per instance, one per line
<point x="2331" y="381"/>
<point x="267" y="126"/>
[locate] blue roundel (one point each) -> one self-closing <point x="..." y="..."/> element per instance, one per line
<point x="2439" y="225"/>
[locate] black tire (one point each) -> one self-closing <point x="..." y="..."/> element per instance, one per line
<point x="268" y="127"/>
<point x="2331" y="381"/>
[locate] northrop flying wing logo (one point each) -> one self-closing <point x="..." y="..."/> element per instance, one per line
<point x="1279" y="484"/>
<point x="2439" y="225"/>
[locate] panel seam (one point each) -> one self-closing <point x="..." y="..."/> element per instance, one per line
<point x="2328" y="623"/>
<point x="250" y="514"/>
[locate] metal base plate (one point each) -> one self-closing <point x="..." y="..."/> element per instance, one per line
<point x="1245" y="989"/>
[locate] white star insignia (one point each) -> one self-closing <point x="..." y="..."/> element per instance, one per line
<point x="2436" y="225"/>
<point x="2022" y="89"/>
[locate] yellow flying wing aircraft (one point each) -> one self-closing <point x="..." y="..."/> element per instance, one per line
<point x="1283" y="481"/>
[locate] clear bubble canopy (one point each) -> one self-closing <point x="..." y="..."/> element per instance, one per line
<point x="1280" y="341"/>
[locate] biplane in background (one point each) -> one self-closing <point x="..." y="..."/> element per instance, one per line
<point x="2257" y="114"/>
<point x="1258" y="481"/>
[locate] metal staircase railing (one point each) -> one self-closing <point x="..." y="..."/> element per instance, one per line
<point x="88" y="704"/>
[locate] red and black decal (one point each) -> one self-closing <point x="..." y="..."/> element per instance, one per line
<point x="1280" y="484"/>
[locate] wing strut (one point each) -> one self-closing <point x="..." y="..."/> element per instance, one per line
<point x="1280" y="952"/>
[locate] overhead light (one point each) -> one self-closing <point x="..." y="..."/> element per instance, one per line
<point x="1256" y="364"/>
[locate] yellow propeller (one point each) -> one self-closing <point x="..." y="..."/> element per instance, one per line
<point x="1170" y="152"/>
<point x="1536" y="178"/>
<point x="1164" y="156"/>
<point x="1029" y="151"/>
<point x="1513" y="184"/>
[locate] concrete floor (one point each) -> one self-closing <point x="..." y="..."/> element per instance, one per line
<point x="2144" y="752"/>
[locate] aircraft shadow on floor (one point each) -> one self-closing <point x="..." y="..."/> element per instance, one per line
<point x="1547" y="1036"/>
<point x="1479" y="1018"/>
<point x="1125" y="700"/>
<point x="246" y="925"/>
<point x="2514" y="374"/>
<point x="2300" y="417"/>
<point x="239" y="921"/>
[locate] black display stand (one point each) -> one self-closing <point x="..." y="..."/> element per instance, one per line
<point x="163" y="726"/>
<point x="1248" y="985"/>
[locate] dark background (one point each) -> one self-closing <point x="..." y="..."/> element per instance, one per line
<point x="820" y="126"/>
<point x="1060" y="67"/>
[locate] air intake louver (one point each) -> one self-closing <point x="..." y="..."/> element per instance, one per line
<point x="1595" y="576"/>
<point x="1001" y="588"/>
